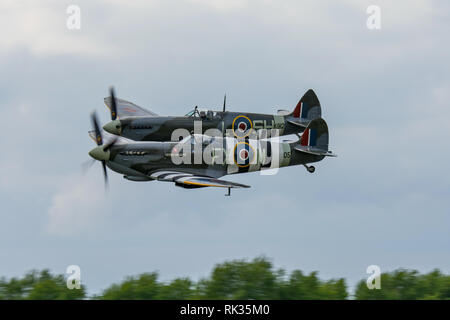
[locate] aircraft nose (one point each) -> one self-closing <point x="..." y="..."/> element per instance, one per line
<point x="113" y="127"/>
<point x="99" y="154"/>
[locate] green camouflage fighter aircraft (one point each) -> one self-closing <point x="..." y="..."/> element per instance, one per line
<point x="199" y="160"/>
<point x="136" y="123"/>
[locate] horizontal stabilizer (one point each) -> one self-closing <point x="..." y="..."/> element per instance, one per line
<point x="299" y="122"/>
<point x="314" y="139"/>
<point x="315" y="151"/>
<point x="283" y="112"/>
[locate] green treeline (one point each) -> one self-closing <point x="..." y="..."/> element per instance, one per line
<point x="237" y="279"/>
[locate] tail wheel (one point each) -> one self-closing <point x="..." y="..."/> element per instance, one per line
<point x="311" y="169"/>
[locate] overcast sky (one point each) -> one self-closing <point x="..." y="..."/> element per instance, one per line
<point x="384" y="93"/>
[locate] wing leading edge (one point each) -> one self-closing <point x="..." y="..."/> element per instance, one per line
<point x="189" y="180"/>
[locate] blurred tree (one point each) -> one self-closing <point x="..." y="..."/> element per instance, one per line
<point x="236" y="279"/>
<point x="39" y="286"/>
<point x="334" y="290"/>
<point x="310" y="287"/>
<point x="142" y="287"/>
<point x="239" y="279"/>
<point x="407" y="285"/>
<point x="178" y="289"/>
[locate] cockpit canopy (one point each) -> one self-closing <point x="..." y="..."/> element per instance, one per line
<point x="202" y="113"/>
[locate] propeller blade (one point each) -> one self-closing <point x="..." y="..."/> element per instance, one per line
<point x="113" y="104"/>
<point x="99" y="140"/>
<point x="85" y="166"/>
<point x="105" y="174"/>
<point x="98" y="133"/>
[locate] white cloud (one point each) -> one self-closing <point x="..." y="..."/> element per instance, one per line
<point x="222" y="5"/>
<point x="77" y="207"/>
<point x="41" y="28"/>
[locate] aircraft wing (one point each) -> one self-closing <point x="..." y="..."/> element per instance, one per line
<point x="189" y="180"/>
<point x="108" y="137"/>
<point x="129" y="109"/>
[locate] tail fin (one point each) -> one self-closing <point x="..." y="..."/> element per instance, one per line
<point x="314" y="139"/>
<point x="307" y="109"/>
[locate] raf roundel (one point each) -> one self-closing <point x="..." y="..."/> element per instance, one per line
<point x="242" y="126"/>
<point x="243" y="154"/>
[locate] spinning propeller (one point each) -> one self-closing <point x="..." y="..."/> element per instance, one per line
<point x="101" y="152"/>
<point x="114" y="126"/>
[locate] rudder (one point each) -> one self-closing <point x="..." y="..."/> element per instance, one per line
<point x="308" y="107"/>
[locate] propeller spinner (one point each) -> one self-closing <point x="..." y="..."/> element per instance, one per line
<point x="101" y="152"/>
